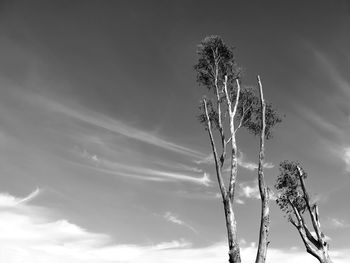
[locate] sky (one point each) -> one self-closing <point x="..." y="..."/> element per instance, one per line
<point x="102" y="158"/>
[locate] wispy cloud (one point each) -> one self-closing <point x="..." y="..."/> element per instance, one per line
<point x="346" y="157"/>
<point x="170" y="217"/>
<point x="122" y="156"/>
<point x="182" y="243"/>
<point x="336" y="223"/>
<point x="31" y="196"/>
<point x="208" y="159"/>
<point x="113" y="125"/>
<point x="342" y="153"/>
<point x="7" y="200"/>
<point x="143" y="172"/>
<point x="242" y="161"/>
<point x="332" y="72"/>
<point x="251" y="165"/>
<point x="239" y="201"/>
<point x="322" y="124"/>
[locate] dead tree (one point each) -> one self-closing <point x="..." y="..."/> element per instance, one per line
<point x="294" y="200"/>
<point x="227" y="108"/>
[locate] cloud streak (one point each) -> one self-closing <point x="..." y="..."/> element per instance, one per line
<point x="7" y="200"/>
<point x="251" y="165"/>
<point x="321" y="123"/>
<point x="170" y="217"/>
<point x="113" y="125"/>
<point x="242" y="162"/>
<point x="346" y="157"/>
<point x="336" y="223"/>
<point x="332" y="72"/>
<point x="142" y="172"/>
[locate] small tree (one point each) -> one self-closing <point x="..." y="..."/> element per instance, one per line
<point x="294" y="200"/>
<point x="225" y="110"/>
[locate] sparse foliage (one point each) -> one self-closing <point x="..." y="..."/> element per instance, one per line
<point x="249" y="113"/>
<point x="215" y="64"/>
<point x="224" y="110"/>
<point x="289" y="188"/>
<point x="215" y="61"/>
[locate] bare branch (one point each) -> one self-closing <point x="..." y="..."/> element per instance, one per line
<point x="302" y="231"/>
<point x="307" y="200"/>
<point x="310" y="236"/>
<point x="317" y="216"/>
<point x="290" y="219"/>
<point x="308" y="245"/>
<point x="232" y="113"/>
<point x="296" y="212"/>
<point x="217" y="91"/>
<point x="237" y="98"/>
<point x="242" y="118"/>
<point x="212" y="142"/>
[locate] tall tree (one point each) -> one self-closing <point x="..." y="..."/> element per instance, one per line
<point x="294" y="200"/>
<point x="224" y="110"/>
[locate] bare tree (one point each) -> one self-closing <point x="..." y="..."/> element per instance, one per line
<point x="294" y="200"/>
<point x="227" y="108"/>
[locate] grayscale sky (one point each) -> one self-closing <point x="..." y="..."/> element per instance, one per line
<point x="102" y="158"/>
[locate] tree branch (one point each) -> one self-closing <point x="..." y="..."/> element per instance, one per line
<point x="217" y="91"/>
<point x="242" y="118"/>
<point x="232" y="113"/>
<point x="296" y="212"/>
<point x="303" y="225"/>
<point x="303" y="232"/>
<point x="212" y="142"/>
<point x="290" y="219"/>
<point x="307" y="200"/>
<point x="237" y="98"/>
<point x="307" y="243"/>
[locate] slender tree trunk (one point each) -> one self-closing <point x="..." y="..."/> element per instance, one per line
<point x="264" y="195"/>
<point x="227" y="196"/>
<point x="234" y="251"/>
<point x="264" y="230"/>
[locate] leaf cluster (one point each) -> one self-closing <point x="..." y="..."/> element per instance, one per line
<point x="214" y="54"/>
<point x="289" y="187"/>
<point x="249" y="113"/>
<point x="215" y="61"/>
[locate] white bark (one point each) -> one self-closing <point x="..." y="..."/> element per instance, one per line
<point x="263" y="189"/>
